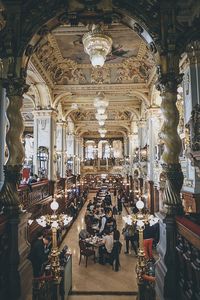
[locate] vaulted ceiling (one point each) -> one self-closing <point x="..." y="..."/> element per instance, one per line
<point x="137" y="29"/>
<point x="126" y="77"/>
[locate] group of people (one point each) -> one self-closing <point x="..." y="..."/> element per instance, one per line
<point x="100" y="220"/>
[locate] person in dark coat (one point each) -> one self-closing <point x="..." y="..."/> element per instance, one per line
<point x="117" y="245"/>
<point x="39" y="253"/>
<point x="119" y="203"/>
<point x="107" y="200"/>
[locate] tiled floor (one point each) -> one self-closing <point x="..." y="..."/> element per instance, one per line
<point x="98" y="277"/>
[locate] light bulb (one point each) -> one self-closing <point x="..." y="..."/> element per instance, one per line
<point x="54" y="224"/>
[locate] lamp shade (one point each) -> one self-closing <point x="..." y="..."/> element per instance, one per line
<point x="101" y="123"/>
<point x="54" y="205"/>
<point x="97" y="59"/>
<point x="140" y="204"/>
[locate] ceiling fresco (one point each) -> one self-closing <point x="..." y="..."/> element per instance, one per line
<point x="126" y="43"/>
<point x="124" y="78"/>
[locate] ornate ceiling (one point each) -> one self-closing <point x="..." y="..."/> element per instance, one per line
<point x="125" y="79"/>
<point x="128" y="74"/>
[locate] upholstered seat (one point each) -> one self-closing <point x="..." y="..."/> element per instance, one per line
<point x="85" y="251"/>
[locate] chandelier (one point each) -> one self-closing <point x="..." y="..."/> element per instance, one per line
<point x="101" y="122"/>
<point x="102" y="130"/>
<point x="97" y="45"/>
<point x="99" y="101"/>
<point x="101" y="117"/>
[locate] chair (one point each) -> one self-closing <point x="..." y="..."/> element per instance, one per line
<point x="85" y="251"/>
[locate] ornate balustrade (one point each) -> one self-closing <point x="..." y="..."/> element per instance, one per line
<point x="188" y="252"/>
<point x="30" y="194"/>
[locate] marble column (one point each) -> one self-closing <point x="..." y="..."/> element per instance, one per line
<point x="61" y="146"/>
<point x="15" y="87"/>
<point x="44" y="135"/>
<point x="131" y="150"/>
<point x="125" y="146"/>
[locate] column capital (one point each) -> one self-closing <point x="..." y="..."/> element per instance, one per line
<point x="61" y="123"/>
<point x="193" y="51"/>
<point x="141" y="123"/>
<point x="2" y="17"/>
<point x="154" y="111"/>
<point x="168" y="82"/>
<point x="45" y="113"/>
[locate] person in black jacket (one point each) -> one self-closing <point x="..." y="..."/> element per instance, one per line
<point x="117" y="245"/>
<point x="39" y="253"/>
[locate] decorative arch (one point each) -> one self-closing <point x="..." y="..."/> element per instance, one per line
<point x="59" y="98"/>
<point x="48" y="17"/>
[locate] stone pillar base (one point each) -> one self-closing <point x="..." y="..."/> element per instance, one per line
<point x="166" y="266"/>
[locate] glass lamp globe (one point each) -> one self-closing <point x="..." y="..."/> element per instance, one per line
<point x="140" y="204"/>
<point x="101" y="110"/>
<point x="102" y="135"/>
<point x="140" y="223"/>
<point x="54" y="205"/>
<point x="54" y="224"/>
<point x="97" y="60"/>
<point x="101" y="123"/>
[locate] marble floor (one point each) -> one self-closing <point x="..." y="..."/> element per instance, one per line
<point x="100" y="278"/>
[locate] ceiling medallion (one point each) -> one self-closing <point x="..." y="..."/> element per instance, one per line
<point x="97" y="45"/>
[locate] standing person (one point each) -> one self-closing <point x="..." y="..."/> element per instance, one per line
<point x="107" y="222"/>
<point x="39" y="254"/>
<point x="130" y="235"/>
<point x="107" y="199"/>
<point x="119" y="203"/>
<point x="148" y="235"/>
<point x="117" y="245"/>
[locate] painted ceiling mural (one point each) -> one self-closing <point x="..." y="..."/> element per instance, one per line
<point x="63" y="57"/>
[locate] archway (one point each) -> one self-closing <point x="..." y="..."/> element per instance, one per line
<point x="43" y="26"/>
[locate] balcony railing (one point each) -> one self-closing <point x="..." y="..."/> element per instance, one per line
<point x="188" y="252"/>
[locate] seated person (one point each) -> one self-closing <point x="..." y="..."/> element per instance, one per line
<point x="90" y="205"/>
<point x="107" y="247"/>
<point x="83" y="234"/>
<point x="32" y="179"/>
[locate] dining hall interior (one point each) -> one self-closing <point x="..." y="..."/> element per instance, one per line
<point x="100" y="150"/>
